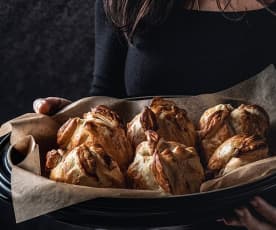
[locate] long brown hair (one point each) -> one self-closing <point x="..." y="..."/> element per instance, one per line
<point x="129" y="15"/>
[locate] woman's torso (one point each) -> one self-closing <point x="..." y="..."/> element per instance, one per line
<point x="197" y="52"/>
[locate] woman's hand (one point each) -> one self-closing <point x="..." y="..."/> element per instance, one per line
<point x="246" y="219"/>
<point x="49" y="105"/>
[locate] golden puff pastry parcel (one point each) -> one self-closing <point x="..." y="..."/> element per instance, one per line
<point x="214" y="128"/>
<point x="237" y="151"/>
<point x="167" y="166"/>
<point x="250" y="119"/>
<point x="100" y="126"/>
<point x="87" y="165"/>
<point x="221" y="122"/>
<point x="167" y="119"/>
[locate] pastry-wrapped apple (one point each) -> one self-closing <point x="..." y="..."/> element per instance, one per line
<point x="250" y="119"/>
<point x="221" y="122"/>
<point x="87" y="165"/>
<point x="167" y="166"/>
<point x="215" y="128"/>
<point x="237" y="151"/>
<point x="100" y="126"/>
<point x="168" y="120"/>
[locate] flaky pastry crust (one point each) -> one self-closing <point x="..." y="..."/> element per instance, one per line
<point x="221" y="122"/>
<point x="101" y="126"/>
<point x="167" y="166"/>
<point x="168" y="120"/>
<point x="237" y="151"/>
<point x="87" y="165"/>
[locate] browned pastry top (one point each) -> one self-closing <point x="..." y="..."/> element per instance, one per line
<point x="250" y="119"/>
<point x="168" y="120"/>
<point x="105" y="116"/>
<point x="136" y="128"/>
<point x="213" y="118"/>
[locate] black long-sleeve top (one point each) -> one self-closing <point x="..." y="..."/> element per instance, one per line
<point x="192" y="52"/>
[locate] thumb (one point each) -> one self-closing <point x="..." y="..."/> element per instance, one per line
<point x="49" y="105"/>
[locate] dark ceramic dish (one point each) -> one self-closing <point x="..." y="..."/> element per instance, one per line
<point x="186" y="210"/>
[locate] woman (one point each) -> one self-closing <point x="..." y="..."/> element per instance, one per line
<point x="181" y="47"/>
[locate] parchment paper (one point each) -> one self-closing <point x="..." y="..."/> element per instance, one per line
<point x="33" y="135"/>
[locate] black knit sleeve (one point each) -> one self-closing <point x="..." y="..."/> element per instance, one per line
<point x="110" y="56"/>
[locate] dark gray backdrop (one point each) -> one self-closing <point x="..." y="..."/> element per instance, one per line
<point x="46" y="49"/>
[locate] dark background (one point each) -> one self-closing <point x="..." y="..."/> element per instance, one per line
<point x="46" y="49"/>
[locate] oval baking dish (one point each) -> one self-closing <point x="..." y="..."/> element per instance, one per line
<point x="185" y="210"/>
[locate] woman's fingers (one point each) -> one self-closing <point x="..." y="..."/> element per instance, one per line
<point x="49" y="105"/>
<point x="265" y="209"/>
<point x="232" y="222"/>
<point x="250" y="222"/>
